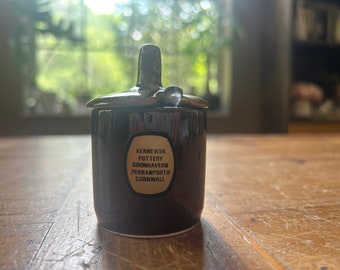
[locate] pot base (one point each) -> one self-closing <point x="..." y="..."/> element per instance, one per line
<point x="140" y="236"/>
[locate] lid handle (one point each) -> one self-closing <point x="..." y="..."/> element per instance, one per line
<point x="149" y="70"/>
<point x="172" y="96"/>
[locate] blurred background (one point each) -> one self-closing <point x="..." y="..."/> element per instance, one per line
<point x="265" y="66"/>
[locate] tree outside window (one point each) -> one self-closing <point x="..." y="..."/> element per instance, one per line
<point x="74" y="50"/>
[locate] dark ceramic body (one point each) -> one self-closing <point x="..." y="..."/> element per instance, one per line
<point x="121" y="210"/>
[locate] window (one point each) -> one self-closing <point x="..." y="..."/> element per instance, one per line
<point x="74" y="50"/>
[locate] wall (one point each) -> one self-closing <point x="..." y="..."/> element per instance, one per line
<point x="262" y="65"/>
<point x="10" y="86"/>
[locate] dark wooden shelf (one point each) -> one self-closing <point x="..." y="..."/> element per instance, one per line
<point x="313" y="126"/>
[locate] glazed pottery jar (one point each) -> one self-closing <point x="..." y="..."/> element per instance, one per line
<point x="148" y="154"/>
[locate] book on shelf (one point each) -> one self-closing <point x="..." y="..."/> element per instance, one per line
<point x="317" y="21"/>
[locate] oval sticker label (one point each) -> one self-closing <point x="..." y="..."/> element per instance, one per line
<point x="150" y="164"/>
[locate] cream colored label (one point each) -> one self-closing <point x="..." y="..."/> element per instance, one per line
<point x="150" y="164"/>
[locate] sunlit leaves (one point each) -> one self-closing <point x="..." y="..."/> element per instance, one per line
<point x="185" y="30"/>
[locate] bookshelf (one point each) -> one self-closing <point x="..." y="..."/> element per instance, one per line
<point x="316" y="62"/>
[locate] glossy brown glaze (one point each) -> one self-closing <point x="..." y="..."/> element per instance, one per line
<point x="117" y="206"/>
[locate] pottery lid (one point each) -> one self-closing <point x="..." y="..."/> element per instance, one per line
<point x="149" y="91"/>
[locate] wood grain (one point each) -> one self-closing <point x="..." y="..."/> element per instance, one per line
<point x="272" y="202"/>
<point x="284" y="193"/>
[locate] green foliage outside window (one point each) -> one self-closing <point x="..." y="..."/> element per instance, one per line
<point x="79" y="53"/>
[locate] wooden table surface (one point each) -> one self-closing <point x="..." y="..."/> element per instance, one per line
<point x="272" y="202"/>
